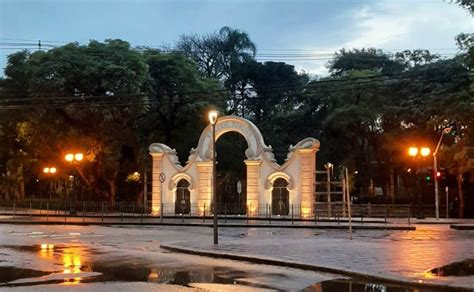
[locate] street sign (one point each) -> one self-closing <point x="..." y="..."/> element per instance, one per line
<point x="239" y="187"/>
<point x="162" y="177"/>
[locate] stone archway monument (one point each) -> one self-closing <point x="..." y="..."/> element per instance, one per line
<point x="262" y="170"/>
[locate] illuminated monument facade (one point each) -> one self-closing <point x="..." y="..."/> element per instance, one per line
<point x="297" y="173"/>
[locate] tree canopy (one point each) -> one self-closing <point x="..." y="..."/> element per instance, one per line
<point x="110" y="101"/>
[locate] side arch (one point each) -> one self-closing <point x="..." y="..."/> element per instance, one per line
<point x="173" y="183"/>
<point x="274" y="176"/>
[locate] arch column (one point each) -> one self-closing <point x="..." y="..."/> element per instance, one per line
<point x="204" y="186"/>
<point x="253" y="185"/>
<point x="157" y="168"/>
<point x="308" y="167"/>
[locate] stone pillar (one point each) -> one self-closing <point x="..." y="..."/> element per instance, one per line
<point x="204" y="186"/>
<point x="308" y="166"/>
<point x="253" y="180"/>
<point x="157" y="168"/>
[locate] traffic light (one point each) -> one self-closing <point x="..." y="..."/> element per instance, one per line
<point x="441" y="174"/>
<point x="428" y="178"/>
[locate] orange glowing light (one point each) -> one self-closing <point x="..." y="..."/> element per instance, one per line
<point x="52" y="170"/>
<point x="72" y="264"/>
<point x="306" y="212"/>
<point x="44" y="246"/>
<point x="46" y="170"/>
<point x="425" y="151"/>
<point x="213" y="117"/>
<point x="69" y="157"/>
<point x="78" y="156"/>
<point x="412" y="151"/>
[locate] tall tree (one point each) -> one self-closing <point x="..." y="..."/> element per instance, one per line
<point x="111" y="70"/>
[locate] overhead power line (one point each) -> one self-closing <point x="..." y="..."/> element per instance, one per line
<point x="292" y="85"/>
<point x="183" y="100"/>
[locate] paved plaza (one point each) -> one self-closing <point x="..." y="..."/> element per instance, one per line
<point x="396" y="255"/>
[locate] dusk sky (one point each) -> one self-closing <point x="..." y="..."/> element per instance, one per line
<point x="309" y="31"/>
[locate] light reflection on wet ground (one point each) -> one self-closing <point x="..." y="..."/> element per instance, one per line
<point x="102" y="255"/>
<point x="80" y="260"/>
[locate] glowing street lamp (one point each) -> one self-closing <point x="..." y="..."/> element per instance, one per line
<point x="74" y="158"/>
<point x="71" y="157"/>
<point x="50" y="171"/>
<point x="419" y="153"/>
<point x="213" y="115"/>
<point x="413" y="151"/>
<point x="425" y="151"/>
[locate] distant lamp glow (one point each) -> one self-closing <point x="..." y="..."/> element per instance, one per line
<point x="78" y="156"/>
<point x="52" y="170"/>
<point x="328" y="165"/>
<point x="413" y="151"/>
<point x="69" y="157"/>
<point x="46" y="170"/>
<point x="44" y="246"/>
<point x="213" y="117"/>
<point x="425" y="151"/>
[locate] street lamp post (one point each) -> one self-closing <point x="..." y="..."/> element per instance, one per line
<point x="213" y="120"/>
<point x="50" y="171"/>
<point x="329" y="167"/>
<point x="74" y="158"/>
<point x="435" y="169"/>
<point x="419" y="153"/>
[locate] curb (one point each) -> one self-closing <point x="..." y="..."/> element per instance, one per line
<point x="230" y="218"/>
<point x="210" y="225"/>
<point x="302" y="266"/>
<point x="462" y="226"/>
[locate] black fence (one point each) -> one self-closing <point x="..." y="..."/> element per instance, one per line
<point x="320" y="211"/>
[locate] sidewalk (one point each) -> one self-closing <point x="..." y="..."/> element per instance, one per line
<point x="235" y="223"/>
<point x="398" y="256"/>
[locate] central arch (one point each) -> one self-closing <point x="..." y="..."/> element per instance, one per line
<point x="256" y="145"/>
<point x="255" y="153"/>
<point x="230" y="170"/>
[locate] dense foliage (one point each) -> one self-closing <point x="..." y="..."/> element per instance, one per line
<point x="111" y="101"/>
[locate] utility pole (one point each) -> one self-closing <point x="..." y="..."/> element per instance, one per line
<point x="435" y="169"/>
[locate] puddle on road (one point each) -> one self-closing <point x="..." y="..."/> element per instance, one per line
<point x="184" y="277"/>
<point x="76" y="264"/>
<point x="361" y="286"/>
<point x="457" y="269"/>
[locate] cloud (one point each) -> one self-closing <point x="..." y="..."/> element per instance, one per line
<point x="396" y="26"/>
<point x="408" y="24"/>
